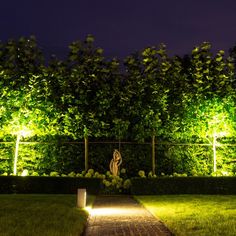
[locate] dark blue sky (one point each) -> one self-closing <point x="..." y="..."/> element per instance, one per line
<point x="121" y="27"/>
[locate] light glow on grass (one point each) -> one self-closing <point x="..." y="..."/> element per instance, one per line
<point x="195" y="215"/>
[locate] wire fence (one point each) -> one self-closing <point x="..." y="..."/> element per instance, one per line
<point x="67" y="156"/>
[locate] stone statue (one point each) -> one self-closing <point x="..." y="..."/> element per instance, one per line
<point x="115" y="162"/>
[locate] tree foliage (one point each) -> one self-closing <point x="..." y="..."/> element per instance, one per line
<point x="177" y="99"/>
<point x="23" y="89"/>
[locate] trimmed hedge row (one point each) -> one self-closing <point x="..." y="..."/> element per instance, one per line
<point x="140" y="186"/>
<point x="183" y="185"/>
<point x="48" y="185"/>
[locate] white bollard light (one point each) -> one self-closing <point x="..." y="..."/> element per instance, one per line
<point x="81" y="197"/>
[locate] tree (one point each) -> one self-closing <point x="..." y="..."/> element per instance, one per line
<point x="208" y="104"/>
<point x="204" y="77"/>
<point x="23" y="104"/>
<point x="148" y="73"/>
<point x="86" y="92"/>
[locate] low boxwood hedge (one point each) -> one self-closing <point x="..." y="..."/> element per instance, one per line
<point x="48" y="185"/>
<point x="183" y="185"/>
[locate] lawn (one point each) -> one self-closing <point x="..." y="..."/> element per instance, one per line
<point x="195" y="215"/>
<point x="37" y="215"/>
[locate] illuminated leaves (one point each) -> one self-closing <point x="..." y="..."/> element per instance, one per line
<point x="23" y="89"/>
<point x="152" y="94"/>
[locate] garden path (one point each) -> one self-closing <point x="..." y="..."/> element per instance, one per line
<point x="122" y="215"/>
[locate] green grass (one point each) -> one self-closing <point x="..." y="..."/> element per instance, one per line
<point x="195" y="215"/>
<point x="41" y="215"/>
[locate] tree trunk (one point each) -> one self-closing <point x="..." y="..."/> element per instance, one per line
<point x="16" y="154"/>
<point x="214" y="153"/>
<point x="85" y="153"/>
<point x="153" y="156"/>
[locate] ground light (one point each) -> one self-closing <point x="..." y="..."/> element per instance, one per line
<point x="113" y="211"/>
<point x="81" y="198"/>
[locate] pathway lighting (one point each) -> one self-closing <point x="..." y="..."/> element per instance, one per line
<point x="81" y="198"/>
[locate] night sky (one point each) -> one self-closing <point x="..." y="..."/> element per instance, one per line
<point x="121" y="27"/>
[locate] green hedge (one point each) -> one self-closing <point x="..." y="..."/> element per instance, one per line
<point x="48" y="185"/>
<point x="183" y="185"/>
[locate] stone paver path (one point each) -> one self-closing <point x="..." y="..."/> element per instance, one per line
<point x="122" y="215"/>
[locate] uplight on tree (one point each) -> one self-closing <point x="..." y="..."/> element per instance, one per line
<point x="212" y="120"/>
<point x="21" y="133"/>
<point x="219" y="127"/>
